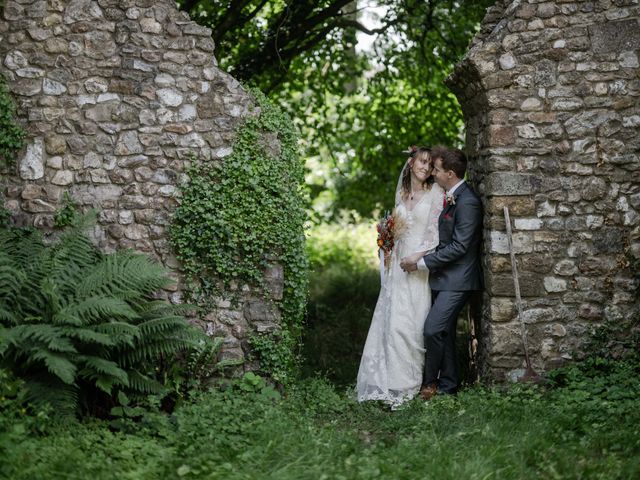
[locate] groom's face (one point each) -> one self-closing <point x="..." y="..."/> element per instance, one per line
<point x="443" y="177"/>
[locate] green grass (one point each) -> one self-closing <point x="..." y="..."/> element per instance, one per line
<point x="344" y="285"/>
<point x="585" y="424"/>
<point x="586" y="427"/>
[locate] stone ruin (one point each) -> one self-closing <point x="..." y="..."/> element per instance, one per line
<point x="551" y="97"/>
<point x="117" y="94"/>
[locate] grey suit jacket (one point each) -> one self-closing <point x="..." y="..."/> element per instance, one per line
<point x="455" y="265"/>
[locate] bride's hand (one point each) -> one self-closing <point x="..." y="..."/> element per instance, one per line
<point x="410" y="262"/>
<point x="408" y="265"/>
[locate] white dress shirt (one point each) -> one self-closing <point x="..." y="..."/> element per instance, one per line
<point x="420" y="263"/>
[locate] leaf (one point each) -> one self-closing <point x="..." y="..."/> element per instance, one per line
<point x="93" y="309"/>
<point x="117" y="411"/>
<point x="122" y="398"/>
<point x="60" y="366"/>
<point x="104" y="383"/>
<point x="103" y="367"/>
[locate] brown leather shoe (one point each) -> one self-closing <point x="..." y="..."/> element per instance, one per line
<point x="427" y="392"/>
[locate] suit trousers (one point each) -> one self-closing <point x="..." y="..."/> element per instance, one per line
<point x="441" y="365"/>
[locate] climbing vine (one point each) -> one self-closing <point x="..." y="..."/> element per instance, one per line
<point x="11" y="138"/>
<point x="11" y="134"/>
<point x="242" y="215"/>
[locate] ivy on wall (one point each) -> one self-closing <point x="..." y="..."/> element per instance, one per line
<point x="11" y="134"/>
<point x="11" y="139"/>
<point x="238" y="217"/>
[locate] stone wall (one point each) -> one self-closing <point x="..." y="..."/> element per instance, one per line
<point x="116" y="96"/>
<point x="551" y="97"/>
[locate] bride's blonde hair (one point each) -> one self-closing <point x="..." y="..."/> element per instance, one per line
<point x="406" y="172"/>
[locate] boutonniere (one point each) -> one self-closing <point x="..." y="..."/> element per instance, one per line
<point x="450" y="199"/>
<point x="447" y="216"/>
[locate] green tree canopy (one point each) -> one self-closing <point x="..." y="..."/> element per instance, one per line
<point x="356" y="110"/>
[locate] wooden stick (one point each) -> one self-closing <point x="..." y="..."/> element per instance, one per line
<point x="516" y="283"/>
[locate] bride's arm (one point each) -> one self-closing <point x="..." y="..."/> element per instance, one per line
<point x="431" y="237"/>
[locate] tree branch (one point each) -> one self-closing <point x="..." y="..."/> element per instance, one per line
<point x="346" y="23"/>
<point x="255" y="11"/>
<point x="294" y="31"/>
<point x="230" y="19"/>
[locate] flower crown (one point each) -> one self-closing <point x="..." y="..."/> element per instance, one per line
<point x="413" y="149"/>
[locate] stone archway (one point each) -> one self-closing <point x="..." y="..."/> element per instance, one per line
<point x="551" y="97"/>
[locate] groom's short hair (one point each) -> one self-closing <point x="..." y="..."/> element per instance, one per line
<point x="452" y="159"/>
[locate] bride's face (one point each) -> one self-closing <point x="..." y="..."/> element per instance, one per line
<point x="421" y="167"/>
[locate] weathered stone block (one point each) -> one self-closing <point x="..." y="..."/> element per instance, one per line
<point x="597" y="265"/>
<point x="257" y="311"/>
<point x="565" y="268"/>
<point x="55" y="144"/>
<point x="32" y="164"/>
<point x="96" y="195"/>
<point x="62" y="178"/>
<point x="502" y="309"/>
<point x="509" y="184"/>
<point x="507" y="61"/>
<point x="506" y="340"/>
<point x="498" y="243"/>
<point x="50" y="87"/>
<point x="615" y="36"/>
<point x="545" y="73"/>
<point x="27" y="87"/>
<point x="527" y="223"/>
<point x="538" y="315"/>
<point x="502" y="285"/>
<point x="531" y="104"/>
<point x="528" y="131"/>
<point x="594" y="188"/>
<point x="554" y="284"/>
<point x="169" y="97"/>
<point x="128" y="144"/>
<point x="38" y="206"/>
<point x="586" y="123"/>
<point x="590" y="311"/>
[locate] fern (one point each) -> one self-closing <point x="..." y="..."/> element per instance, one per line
<point x="143" y="383"/>
<point x="43" y="390"/>
<point x="75" y="322"/>
<point x="124" y="275"/>
<point x="161" y="325"/>
<point x="21" y="246"/>
<point x="106" y="373"/>
<point x="90" y="336"/>
<point x="95" y="309"/>
<point x="57" y="365"/>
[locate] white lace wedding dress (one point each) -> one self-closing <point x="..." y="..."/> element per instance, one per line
<point x="392" y="361"/>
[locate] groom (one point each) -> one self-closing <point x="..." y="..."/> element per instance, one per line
<point x="454" y="270"/>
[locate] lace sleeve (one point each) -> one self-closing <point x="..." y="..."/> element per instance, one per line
<point x="431" y="237"/>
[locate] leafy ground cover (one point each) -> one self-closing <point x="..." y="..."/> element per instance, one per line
<point x="584" y="424"/>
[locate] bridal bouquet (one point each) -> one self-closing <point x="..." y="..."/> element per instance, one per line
<point x="389" y="229"/>
<point x="385" y="233"/>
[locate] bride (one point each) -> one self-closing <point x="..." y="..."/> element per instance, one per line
<point x="392" y="361"/>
